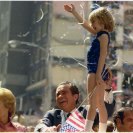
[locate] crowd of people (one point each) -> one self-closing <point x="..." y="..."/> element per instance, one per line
<point x="67" y="98"/>
<point x="67" y="95"/>
<point x="99" y="115"/>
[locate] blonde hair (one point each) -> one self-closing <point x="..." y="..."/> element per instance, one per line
<point x="9" y="101"/>
<point x="104" y="17"/>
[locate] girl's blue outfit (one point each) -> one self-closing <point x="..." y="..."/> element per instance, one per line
<point x="93" y="55"/>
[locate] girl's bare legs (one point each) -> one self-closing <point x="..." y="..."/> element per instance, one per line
<point x="91" y="83"/>
<point x="101" y="107"/>
<point x="96" y="101"/>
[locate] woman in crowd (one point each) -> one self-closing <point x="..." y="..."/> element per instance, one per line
<point x="7" y="112"/>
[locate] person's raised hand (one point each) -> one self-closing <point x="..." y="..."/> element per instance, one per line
<point x="69" y="8"/>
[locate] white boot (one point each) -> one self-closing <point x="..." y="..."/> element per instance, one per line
<point x="102" y="127"/>
<point x="88" y="125"/>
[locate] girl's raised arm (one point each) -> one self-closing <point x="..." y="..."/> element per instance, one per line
<point x="84" y="23"/>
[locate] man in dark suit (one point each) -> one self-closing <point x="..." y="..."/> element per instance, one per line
<point x="67" y="96"/>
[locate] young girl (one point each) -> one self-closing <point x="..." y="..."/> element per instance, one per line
<point x="100" y="24"/>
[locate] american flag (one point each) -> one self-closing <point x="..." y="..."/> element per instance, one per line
<point x="74" y="123"/>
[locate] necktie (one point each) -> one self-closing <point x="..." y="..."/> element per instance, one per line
<point x="68" y="115"/>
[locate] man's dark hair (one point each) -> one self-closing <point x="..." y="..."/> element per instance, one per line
<point x="120" y="114"/>
<point x="73" y="88"/>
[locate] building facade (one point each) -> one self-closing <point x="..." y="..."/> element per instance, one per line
<point x="27" y="44"/>
<point x="70" y="43"/>
<point x="41" y="45"/>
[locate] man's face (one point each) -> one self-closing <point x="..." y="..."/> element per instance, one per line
<point x="127" y="125"/>
<point x="65" y="99"/>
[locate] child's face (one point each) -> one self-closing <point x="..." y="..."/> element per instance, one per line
<point x="97" y="26"/>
